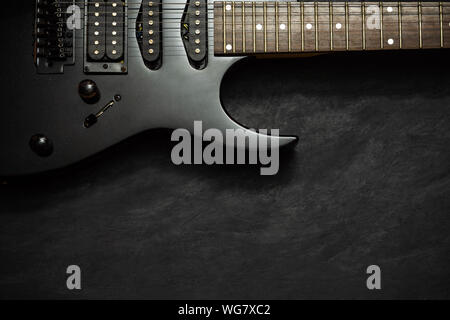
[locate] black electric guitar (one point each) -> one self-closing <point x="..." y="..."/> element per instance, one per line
<point x="100" y="71"/>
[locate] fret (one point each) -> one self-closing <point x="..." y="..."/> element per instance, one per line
<point x="283" y="27"/>
<point x="265" y="25"/>
<point x="431" y="25"/>
<point x="218" y="28"/>
<point x="323" y="26"/>
<point x="254" y="25"/>
<point x="346" y="27"/>
<point x="330" y="10"/>
<point x="259" y="14"/>
<point x="309" y="26"/>
<point x="277" y="27"/>
<point x="233" y="27"/>
<point x="363" y="13"/>
<point x="249" y="26"/>
<point x="302" y="9"/>
<point x="289" y="26"/>
<point x="441" y="25"/>
<point x="243" y="27"/>
<point x="339" y="42"/>
<point x="296" y="30"/>
<point x="238" y="28"/>
<point x="446" y="24"/>
<point x="380" y="4"/>
<point x="224" y="19"/>
<point x="399" y="10"/>
<point x="229" y="28"/>
<point x="391" y="34"/>
<point x="354" y="26"/>
<point x="316" y="27"/>
<point x="420" y="25"/>
<point x="373" y="26"/>
<point x="410" y="25"/>
<point x="224" y="28"/>
<point x="271" y="28"/>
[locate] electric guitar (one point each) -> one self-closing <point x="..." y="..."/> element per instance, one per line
<point x="80" y="76"/>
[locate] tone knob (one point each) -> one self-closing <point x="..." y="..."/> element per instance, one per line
<point x="88" y="91"/>
<point x="41" y="145"/>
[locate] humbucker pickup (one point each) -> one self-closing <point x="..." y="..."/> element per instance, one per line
<point x="149" y="33"/>
<point x="194" y="32"/>
<point x="53" y="40"/>
<point x="105" y="36"/>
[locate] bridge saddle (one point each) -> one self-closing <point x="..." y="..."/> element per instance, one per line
<point x="53" y="39"/>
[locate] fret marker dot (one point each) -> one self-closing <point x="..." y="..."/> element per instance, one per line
<point x="338" y="26"/>
<point x="389" y="9"/>
<point x="228" y="7"/>
<point x="282" y="26"/>
<point x="309" y="26"/>
<point x="259" y="26"/>
<point x="228" y="47"/>
<point x="390" y="41"/>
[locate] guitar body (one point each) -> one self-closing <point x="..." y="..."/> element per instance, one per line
<point x="174" y="96"/>
<point x="160" y="64"/>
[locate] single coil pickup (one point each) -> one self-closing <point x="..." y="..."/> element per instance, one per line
<point x="115" y="30"/>
<point x="194" y="32"/>
<point x="96" y="29"/>
<point x="149" y="32"/>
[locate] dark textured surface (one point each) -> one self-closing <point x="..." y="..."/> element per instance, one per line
<point x="368" y="183"/>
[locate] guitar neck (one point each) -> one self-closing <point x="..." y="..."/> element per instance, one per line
<point x="248" y="27"/>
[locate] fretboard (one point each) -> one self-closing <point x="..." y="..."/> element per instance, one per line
<point x="248" y="27"/>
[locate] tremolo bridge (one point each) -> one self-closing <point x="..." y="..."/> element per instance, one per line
<point x="53" y="40"/>
<point x="106" y="36"/>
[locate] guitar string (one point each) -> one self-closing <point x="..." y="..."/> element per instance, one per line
<point x="257" y="3"/>
<point x="177" y="28"/>
<point x="351" y="5"/>
<point x="272" y="29"/>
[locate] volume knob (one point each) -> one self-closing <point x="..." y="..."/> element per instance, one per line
<point x="88" y="91"/>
